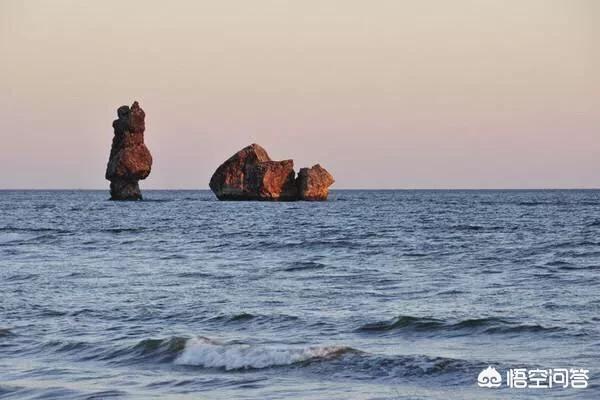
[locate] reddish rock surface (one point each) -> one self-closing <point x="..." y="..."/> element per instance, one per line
<point x="250" y="174"/>
<point x="130" y="160"/>
<point x="313" y="183"/>
<point x="274" y="180"/>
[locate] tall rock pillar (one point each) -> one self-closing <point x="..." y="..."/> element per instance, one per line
<point x="130" y="160"/>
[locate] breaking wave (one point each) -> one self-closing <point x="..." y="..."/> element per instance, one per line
<point x="232" y="356"/>
<point x="208" y="353"/>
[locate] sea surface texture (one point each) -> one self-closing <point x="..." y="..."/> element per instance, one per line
<point x="371" y="295"/>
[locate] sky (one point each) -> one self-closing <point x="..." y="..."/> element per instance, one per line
<point x="384" y="94"/>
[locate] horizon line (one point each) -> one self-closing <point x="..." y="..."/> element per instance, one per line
<point x="331" y="190"/>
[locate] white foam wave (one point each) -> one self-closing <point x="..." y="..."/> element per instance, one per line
<point x="210" y="354"/>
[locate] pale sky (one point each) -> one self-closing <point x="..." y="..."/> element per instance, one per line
<point x="384" y="94"/>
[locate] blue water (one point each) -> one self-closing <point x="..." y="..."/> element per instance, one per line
<point x="371" y="295"/>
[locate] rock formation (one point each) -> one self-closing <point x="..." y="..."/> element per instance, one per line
<point x="250" y="174"/>
<point x="313" y="183"/>
<point x="130" y="160"/>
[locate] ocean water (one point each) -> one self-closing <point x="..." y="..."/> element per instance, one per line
<point x="371" y="295"/>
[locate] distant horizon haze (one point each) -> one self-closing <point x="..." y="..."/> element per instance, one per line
<point x="386" y="95"/>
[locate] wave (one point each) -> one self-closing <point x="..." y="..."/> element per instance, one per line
<point x="4" y="332"/>
<point x="21" y="277"/>
<point x="173" y="257"/>
<point x="403" y="321"/>
<point x="468" y="227"/>
<point x="82" y="312"/>
<point x="303" y="266"/>
<point x="557" y="263"/>
<point x="567" y="266"/>
<point x="48" y="312"/>
<point x="46" y="238"/>
<point x="487" y="325"/>
<point x="194" y="275"/>
<point x="241" y="317"/>
<point x="245" y="317"/>
<point x="75" y="275"/>
<point x="58" y="346"/>
<point x="367" y="366"/>
<point x="208" y="353"/>
<point x="533" y="203"/>
<point x="123" y="230"/>
<point x="232" y="356"/>
<point x="571" y="267"/>
<point x="17" y="229"/>
<point x="450" y="292"/>
<point x="8" y="390"/>
<point x="158" y="200"/>
<point x="160" y="350"/>
<point x="147" y="350"/>
<point x="303" y="244"/>
<point x="414" y="254"/>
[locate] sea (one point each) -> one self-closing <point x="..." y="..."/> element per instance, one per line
<point x="391" y="294"/>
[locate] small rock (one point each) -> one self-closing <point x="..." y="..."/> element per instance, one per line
<point x="313" y="183"/>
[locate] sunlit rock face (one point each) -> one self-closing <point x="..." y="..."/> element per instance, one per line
<point x="273" y="180"/>
<point x="250" y="174"/>
<point x="129" y="160"/>
<point x="313" y="183"/>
